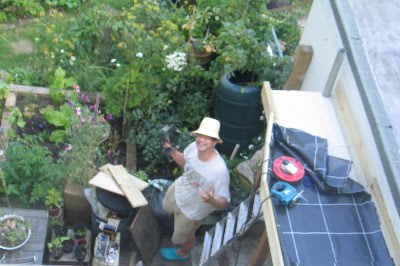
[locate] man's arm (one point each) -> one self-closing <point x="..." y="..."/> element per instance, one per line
<point x="216" y="202"/>
<point x="175" y="154"/>
<point x="178" y="157"/>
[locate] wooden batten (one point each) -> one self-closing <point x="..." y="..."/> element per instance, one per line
<point x="268" y="211"/>
<point x="302" y="60"/>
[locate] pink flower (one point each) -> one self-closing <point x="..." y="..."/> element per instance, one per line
<point x="85" y="97"/>
<point x="103" y="120"/>
<point x="68" y="147"/>
<point x="76" y="88"/>
<point x="78" y="110"/>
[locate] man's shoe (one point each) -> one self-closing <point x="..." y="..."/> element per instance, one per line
<point x="170" y="254"/>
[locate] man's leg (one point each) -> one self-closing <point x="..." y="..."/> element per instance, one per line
<point x="185" y="248"/>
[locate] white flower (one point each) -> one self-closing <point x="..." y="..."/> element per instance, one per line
<point x="262" y="118"/>
<point x="165" y="47"/>
<point x="139" y="55"/>
<point x="251" y="146"/>
<point x="118" y="65"/>
<point x="259" y="138"/>
<point x="62" y="51"/>
<point x="176" y="61"/>
<point x="73" y="58"/>
<point x="269" y="50"/>
<point x="113" y="60"/>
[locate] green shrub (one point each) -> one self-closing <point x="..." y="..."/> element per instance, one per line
<point x="22" y="8"/>
<point x="30" y="171"/>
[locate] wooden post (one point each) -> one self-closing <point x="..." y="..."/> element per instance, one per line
<point x="302" y="60"/>
<point x="262" y="250"/>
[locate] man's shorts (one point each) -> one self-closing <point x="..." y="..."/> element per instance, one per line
<point x="184" y="228"/>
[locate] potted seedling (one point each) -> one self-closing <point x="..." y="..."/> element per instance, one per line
<point x="56" y="247"/>
<point x="80" y="249"/>
<point x="53" y="202"/>
<point x="68" y="245"/>
<point x="80" y="231"/>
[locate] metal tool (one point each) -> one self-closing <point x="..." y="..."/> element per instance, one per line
<point x="286" y="193"/>
<point x="27" y="260"/>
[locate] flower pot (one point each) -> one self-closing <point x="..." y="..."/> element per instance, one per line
<point x="68" y="245"/>
<point x="16" y="232"/>
<point x="56" y="253"/>
<point x="80" y="231"/>
<point x="197" y="51"/>
<point x="58" y="230"/>
<point x="80" y="253"/>
<point x="204" y="59"/>
<point x="54" y="212"/>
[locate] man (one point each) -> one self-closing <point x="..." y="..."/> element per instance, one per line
<point x="203" y="188"/>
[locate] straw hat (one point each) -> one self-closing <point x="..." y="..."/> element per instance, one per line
<point x="209" y="127"/>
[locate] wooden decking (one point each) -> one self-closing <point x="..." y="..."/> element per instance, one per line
<point x="33" y="251"/>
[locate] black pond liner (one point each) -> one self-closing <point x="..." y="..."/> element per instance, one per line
<point x="336" y="222"/>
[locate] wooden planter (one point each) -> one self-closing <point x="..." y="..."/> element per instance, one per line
<point x="77" y="207"/>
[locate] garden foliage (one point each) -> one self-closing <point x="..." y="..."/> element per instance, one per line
<point x="140" y="60"/>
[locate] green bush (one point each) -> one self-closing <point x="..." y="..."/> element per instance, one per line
<point x="30" y="170"/>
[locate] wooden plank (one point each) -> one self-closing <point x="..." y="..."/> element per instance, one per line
<point x="380" y="190"/>
<point x="262" y="250"/>
<point x="145" y="232"/>
<point x="136" y="181"/>
<point x="302" y="61"/>
<point x="268" y="211"/>
<point x="268" y="100"/>
<point x="124" y="180"/>
<point x="106" y="182"/>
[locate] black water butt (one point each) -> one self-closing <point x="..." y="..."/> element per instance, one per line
<point x="238" y="108"/>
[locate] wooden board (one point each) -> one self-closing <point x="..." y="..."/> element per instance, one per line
<point x="145" y="232"/>
<point x="268" y="211"/>
<point x="106" y="182"/>
<point x="302" y="61"/>
<point x="136" y="181"/>
<point x="124" y="180"/>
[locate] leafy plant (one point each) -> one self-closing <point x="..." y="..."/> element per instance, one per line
<point x="4" y="89"/>
<point x="16" y="117"/>
<point x="60" y="83"/>
<point x="57" y="242"/>
<point x="63" y="118"/>
<point x="82" y="150"/>
<point x="53" y="198"/>
<point x="70" y="4"/>
<point x="21" y="8"/>
<point x="30" y="170"/>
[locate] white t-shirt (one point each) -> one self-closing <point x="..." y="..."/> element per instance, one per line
<point x="199" y="175"/>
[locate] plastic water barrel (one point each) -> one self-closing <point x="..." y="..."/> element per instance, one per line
<point x="238" y="108"/>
